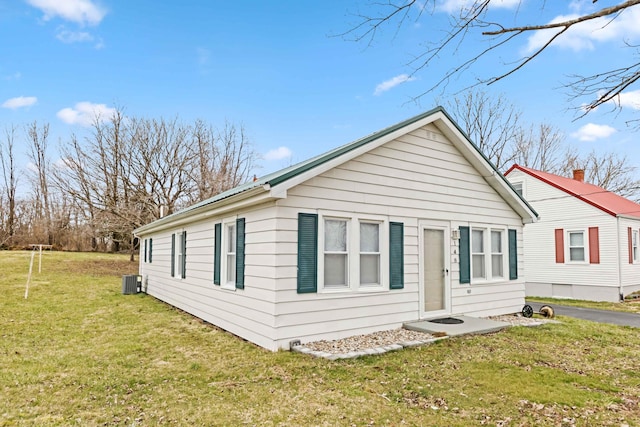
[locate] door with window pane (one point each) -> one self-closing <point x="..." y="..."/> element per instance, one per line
<point x="434" y="272"/>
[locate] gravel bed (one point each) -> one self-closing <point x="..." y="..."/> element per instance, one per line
<point x="395" y="339"/>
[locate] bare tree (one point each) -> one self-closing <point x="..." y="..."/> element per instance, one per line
<point x="474" y="20"/>
<point x="38" y="145"/>
<point x="129" y="167"/>
<point x="492" y="123"/>
<point x="608" y="170"/>
<point x="9" y="175"/>
<point x="542" y="147"/>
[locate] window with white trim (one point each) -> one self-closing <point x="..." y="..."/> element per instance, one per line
<point x="577" y="246"/>
<point x="352" y="253"/>
<point x="181" y="243"/>
<point x="634" y="246"/>
<point x="497" y="257"/>
<point x="519" y="187"/>
<point x="229" y="244"/>
<point x="369" y="254"/>
<point x="487" y="256"/>
<point x="478" y="267"/>
<point x="336" y="253"/>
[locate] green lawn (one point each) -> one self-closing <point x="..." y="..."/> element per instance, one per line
<point x="78" y="352"/>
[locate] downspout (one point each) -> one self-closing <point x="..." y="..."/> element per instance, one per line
<point x="620" y="287"/>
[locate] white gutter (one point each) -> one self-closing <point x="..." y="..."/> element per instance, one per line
<point x="242" y="200"/>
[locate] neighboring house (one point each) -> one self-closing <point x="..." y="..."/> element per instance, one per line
<point x="408" y="223"/>
<point x="585" y="245"/>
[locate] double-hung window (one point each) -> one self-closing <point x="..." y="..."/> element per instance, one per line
<point x="369" y="254"/>
<point x="634" y="246"/>
<point x="478" y="268"/>
<point x="577" y="248"/>
<point x="353" y="253"/>
<point x="230" y="246"/>
<point x="497" y="258"/>
<point x="336" y="253"/>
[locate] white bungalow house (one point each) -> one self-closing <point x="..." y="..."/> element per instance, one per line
<point x="585" y="245"/>
<point x="411" y="222"/>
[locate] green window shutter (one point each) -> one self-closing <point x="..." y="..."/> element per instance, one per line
<point x="173" y="255"/>
<point x="184" y="254"/>
<point x="396" y="255"/>
<point x="307" y="253"/>
<point x="465" y="256"/>
<point x="145" y="250"/>
<point x="240" y="253"/>
<point x="217" y="237"/>
<point x="513" y="255"/>
<point x="150" y="251"/>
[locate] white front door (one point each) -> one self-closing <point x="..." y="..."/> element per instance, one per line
<point x="435" y="293"/>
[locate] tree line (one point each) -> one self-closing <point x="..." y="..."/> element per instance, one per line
<point x="128" y="171"/>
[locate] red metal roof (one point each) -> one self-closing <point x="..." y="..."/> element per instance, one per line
<point x="602" y="199"/>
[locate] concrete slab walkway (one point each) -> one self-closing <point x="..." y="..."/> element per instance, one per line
<point x="469" y="325"/>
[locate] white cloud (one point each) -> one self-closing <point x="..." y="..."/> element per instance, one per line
<point x="278" y="154"/>
<point x="85" y="113"/>
<point x="455" y="6"/>
<point x="391" y="83"/>
<point x="592" y="132"/>
<point x="628" y="99"/>
<point x="584" y="36"/>
<point x="67" y="36"/>
<point x="79" y="11"/>
<point x="20" y="102"/>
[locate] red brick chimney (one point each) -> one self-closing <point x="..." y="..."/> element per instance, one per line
<point x="578" y="175"/>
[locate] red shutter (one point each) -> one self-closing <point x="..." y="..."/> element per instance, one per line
<point x="559" y="245"/>
<point x="630" y="236"/>
<point x="594" y="246"/>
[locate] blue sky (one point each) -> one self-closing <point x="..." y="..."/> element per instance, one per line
<point x="278" y="68"/>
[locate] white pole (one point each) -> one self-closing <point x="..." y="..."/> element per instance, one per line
<point x="40" y="261"/>
<point x="26" y="291"/>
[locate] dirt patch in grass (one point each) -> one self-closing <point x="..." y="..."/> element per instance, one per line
<point x="115" y="266"/>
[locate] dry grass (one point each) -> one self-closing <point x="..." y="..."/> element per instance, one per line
<point x="77" y="352"/>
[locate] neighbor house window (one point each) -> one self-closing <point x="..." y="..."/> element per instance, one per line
<point x="369" y="253"/>
<point x="576" y="246"/>
<point x="518" y="187"/>
<point x="634" y="246"/>
<point x="336" y="254"/>
<point x="497" y="258"/>
<point x="477" y="254"/>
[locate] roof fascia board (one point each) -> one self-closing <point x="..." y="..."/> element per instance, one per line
<point x="239" y="201"/>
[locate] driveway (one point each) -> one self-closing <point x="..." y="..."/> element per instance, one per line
<point x="602" y="316"/>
